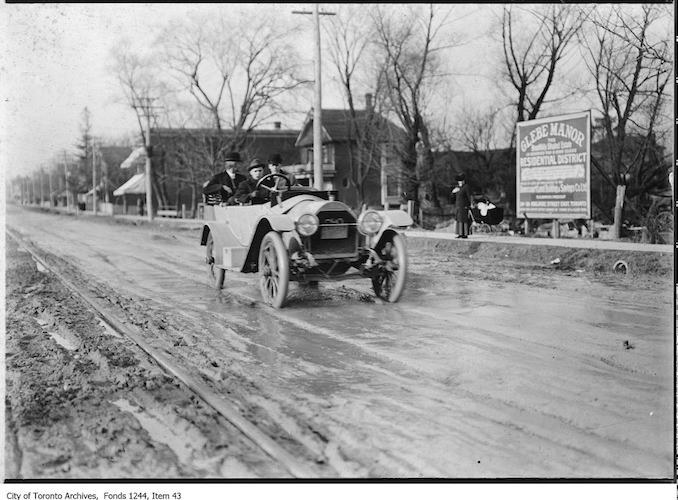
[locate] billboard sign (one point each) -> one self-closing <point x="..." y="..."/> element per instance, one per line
<point x="553" y="167"/>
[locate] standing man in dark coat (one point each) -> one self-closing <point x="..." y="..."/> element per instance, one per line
<point x="247" y="190"/>
<point x="462" y="201"/>
<point x="221" y="188"/>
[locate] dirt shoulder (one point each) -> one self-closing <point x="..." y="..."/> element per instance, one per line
<point x="82" y="402"/>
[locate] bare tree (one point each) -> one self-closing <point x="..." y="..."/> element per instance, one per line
<point x="533" y="56"/>
<point x="478" y="131"/>
<point x="629" y="60"/>
<point x="349" y="35"/>
<point x="411" y="58"/>
<point x="235" y="67"/>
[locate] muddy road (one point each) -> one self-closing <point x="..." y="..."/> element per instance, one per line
<point x="482" y="370"/>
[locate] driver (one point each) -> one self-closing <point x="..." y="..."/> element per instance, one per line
<point x="247" y="191"/>
<point x="274" y="167"/>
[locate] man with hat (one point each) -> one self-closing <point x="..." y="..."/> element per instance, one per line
<point x="221" y="188"/>
<point x="274" y="167"/>
<point x="461" y="196"/>
<point x="247" y="191"/>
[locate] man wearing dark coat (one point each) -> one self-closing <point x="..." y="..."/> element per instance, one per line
<point x="247" y="191"/>
<point x="462" y="202"/>
<point x="274" y="167"/>
<point x="221" y="188"/>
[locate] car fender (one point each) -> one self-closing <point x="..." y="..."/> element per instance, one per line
<point x="278" y="223"/>
<point x="393" y="220"/>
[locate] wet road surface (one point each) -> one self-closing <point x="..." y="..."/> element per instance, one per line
<point x="460" y="379"/>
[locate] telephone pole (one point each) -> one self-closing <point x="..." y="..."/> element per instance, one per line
<point x="68" y="191"/>
<point x="42" y="178"/>
<point x="94" y="180"/>
<point x="51" y="189"/>
<point x="144" y="105"/>
<point x="317" y="102"/>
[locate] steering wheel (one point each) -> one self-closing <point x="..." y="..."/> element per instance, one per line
<point x="274" y="189"/>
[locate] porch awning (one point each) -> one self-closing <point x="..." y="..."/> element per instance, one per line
<point x="89" y="193"/>
<point x="136" y="185"/>
<point x="135" y="158"/>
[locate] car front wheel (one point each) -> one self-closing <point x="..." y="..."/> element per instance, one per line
<point x="389" y="283"/>
<point x="274" y="270"/>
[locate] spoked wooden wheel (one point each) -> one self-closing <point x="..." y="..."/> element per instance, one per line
<point x="215" y="275"/>
<point x="274" y="270"/>
<point x="390" y="282"/>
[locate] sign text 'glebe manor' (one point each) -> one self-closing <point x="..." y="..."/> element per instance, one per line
<point x="553" y="167"/>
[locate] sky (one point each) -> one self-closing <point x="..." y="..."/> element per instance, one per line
<point x="56" y="58"/>
<point x="56" y="64"/>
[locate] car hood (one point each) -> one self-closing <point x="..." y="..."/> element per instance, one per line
<point x="308" y="204"/>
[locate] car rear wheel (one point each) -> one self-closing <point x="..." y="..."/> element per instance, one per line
<point x="390" y="281"/>
<point x="274" y="270"/>
<point x="215" y="275"/>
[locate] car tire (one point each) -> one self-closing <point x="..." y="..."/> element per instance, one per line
<point x="274" y="270"/>
<point x="215" y="275"/>
<point x="390" y="282"/>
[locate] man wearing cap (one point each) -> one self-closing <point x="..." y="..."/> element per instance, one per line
<point x="247" y="191"/>
<point x="221" y="188"/>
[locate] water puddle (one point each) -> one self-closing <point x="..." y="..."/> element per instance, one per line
<point x="165" y="429"/>
<point x="63" y="340"/>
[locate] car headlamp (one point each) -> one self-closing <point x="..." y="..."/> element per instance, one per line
<point x="307" y="224"/>
<point x="369" y="223"/>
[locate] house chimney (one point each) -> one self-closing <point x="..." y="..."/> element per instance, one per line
<point x="368" y="101"/>
<point x="276" y="125"/>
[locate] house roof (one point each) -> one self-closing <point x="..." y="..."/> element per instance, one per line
<point x="336" y="125"/>
<point x="136" y="157"/>
<point x="174" y="132"/>
<point x="114" y="155"/>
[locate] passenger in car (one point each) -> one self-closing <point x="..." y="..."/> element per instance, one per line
<point x="247" y="191"/>
<point x="221" y="188"/>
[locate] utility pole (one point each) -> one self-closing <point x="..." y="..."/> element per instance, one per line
<point x="68" y="192"/>
<point x="317" y="102"/>
<point x="42" y="174"/>
<point x="144" y="104"/>
<point x="51" y="189"/>
<point x="94" y="181"/>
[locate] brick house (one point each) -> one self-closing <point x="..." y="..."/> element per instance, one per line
<point x="340" y="155"/>
<point x="183" y="159"/>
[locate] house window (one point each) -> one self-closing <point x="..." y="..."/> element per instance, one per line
<point x="344" y="182"/>
<point x="392" y="185"/>
<point x="327" y="157"/>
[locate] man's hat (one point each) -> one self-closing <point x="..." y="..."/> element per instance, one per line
<point x="255" y="163"/>
<point x="461" y="177"/>
<point x="275" y="159"/>
<point x="232" y="156"/>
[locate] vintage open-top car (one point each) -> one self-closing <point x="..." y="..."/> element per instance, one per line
<point x="305" y="235"/>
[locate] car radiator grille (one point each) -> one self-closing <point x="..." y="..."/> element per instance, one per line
<point x="337" y="235"/>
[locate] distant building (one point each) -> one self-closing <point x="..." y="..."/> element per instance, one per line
<point x="183" y="159"/>
<point x="341" y="154"/>
<point x="174" y="150"/>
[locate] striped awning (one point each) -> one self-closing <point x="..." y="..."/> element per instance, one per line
<point x="135" y="185"/>
<point x="137" y="157"/>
